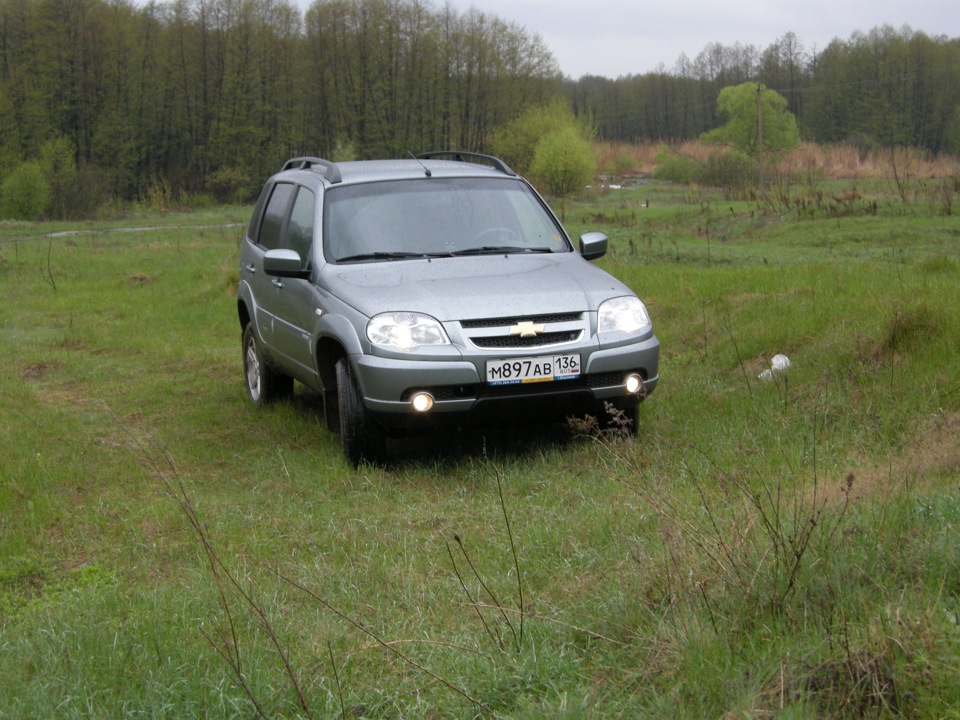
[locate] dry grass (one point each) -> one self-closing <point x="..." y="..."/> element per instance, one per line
<point x="835" y="162"/>
<point x="934" y="455"/>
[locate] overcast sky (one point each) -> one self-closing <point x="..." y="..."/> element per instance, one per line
<point x="621" y="37"/>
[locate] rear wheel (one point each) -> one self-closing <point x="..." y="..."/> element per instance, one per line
<point x="264" y="385"/>
<point x="361" y="438"/>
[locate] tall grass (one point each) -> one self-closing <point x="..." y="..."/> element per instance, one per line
<point x="783" y="548"/>
<point x="810" y="161"/>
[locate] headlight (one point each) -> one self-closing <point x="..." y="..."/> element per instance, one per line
<point x="622" y="314"/>
<point x="405" y="330"/>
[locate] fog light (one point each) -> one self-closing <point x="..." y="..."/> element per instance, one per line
<point x="633" y="383"/>
<point x="422" y="402"/>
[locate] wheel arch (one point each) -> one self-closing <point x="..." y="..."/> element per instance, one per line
<point x="243" y="313"/>
<point x="329" y="352"/>
<point x="335" y="337"/>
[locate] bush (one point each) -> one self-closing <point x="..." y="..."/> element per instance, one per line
<point x="619" y="166"/>
<point x="157" y="195"/>
<point x="732" y="171"/>
<point x="516" y="142"/>
<point x="195" y="201"/>
<point x="676" y="167"/>
<point x="563" y="161"/>
<point x="230" y="184"/>
<point x="344" y="150"/>
<point x="25" y="193"/>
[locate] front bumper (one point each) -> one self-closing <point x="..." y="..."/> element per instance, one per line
<point x="461" y="396"/>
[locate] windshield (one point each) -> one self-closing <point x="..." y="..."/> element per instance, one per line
<point x="436" y="217"/>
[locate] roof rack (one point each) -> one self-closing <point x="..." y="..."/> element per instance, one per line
<point x="462" y="156"/>
<point x="330" y="170"/>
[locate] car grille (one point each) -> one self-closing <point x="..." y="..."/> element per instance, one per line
<point x="508" y="321"/>
<point x="517" y="342"/>
<point x="494" y="333"/>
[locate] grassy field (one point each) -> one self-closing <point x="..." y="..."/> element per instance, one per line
<point x="785" y="548"/>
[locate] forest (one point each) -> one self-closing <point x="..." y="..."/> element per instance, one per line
<point x="114" y="100"/>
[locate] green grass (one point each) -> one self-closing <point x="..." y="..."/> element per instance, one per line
<point x="765" y="549"/>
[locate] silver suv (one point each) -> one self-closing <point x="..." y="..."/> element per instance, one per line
<point x="433" y="291"/>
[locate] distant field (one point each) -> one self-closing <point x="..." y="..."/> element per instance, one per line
<point x="785" y="548"/>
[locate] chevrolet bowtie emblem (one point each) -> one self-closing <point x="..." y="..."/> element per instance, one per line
<point x="526" y="329"/>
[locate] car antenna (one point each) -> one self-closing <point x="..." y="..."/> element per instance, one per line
<point x="425" y="168"/>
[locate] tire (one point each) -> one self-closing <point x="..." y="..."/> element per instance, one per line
<point x="361" y="438"/>
<point x="264" y="385"/>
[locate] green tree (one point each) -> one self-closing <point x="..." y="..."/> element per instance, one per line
<point x="517" y="141"/>
<point x="752" y="108"/>
<point x="25" y="193"/>
<point x="563" y="161"/>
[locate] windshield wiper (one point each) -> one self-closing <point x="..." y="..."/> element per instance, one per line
<point x="484" y="250"/>
<point x="382" y="256"/>
<point x="498" y="249"/>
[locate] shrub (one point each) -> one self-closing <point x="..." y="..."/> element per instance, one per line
<point x="732" y="171"/>
<point x="230" y="184"/>
<point x="158" y="194"/>
<point x="517" y="142"/>
<point x="676" y="167"/>
<point x="563" y="161"/>
<point x="25" y="193"/>
<point x="344" y="150"/>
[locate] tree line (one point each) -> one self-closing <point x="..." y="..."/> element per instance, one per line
<point x="211" y="95"/>
<point x="882" y="88"/>
<point x="109" y="99"/>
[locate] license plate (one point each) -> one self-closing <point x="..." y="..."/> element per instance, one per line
<point x="533" y="369"/>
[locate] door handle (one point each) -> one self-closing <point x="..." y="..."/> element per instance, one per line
<point x="251" y="268"/>
<point x="277" y="283"/>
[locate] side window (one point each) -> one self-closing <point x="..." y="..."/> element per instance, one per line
<point x="274" y="216"/>
<point x="300" y="229"/>
<point x="254" y="226"/>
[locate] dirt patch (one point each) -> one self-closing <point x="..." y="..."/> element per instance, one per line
<point x="935" y="452"/>
<point x="40" y="370"/>
<point x="142" y="279"/>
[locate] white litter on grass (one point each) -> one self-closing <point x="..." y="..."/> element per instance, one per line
<point x="778" y="365"/>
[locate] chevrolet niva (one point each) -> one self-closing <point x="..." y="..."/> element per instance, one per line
<point x="439" y="290"/>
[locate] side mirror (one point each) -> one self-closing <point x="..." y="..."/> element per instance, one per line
<point x="593" y="245"/>
<point x="284" y="263"/>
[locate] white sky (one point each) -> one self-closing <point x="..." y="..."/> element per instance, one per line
<point x="611" y="38"/>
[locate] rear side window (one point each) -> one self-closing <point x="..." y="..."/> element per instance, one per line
<point x="274" y="216"/>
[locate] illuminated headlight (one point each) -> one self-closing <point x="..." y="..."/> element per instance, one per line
<point x="622" y="314"/>
<point x="422" y="402"/>
<point x="405" y="331"/>
<point x="633" y="384"/>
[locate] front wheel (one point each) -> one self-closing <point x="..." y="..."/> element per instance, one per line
<point x="264" y="385"/>
<point x="361" y="438"/>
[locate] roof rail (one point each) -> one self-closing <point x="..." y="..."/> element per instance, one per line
<point x="330" y="170"/>
<point x="463" y="156"/>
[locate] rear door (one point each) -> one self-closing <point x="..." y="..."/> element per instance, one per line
<point x="267" y="236"/>
<point x="296" y="301"/>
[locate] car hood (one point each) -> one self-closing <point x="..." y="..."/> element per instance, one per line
<point x="474" y="287"/>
